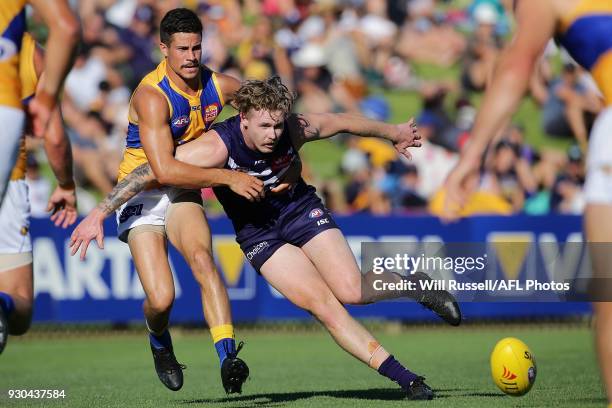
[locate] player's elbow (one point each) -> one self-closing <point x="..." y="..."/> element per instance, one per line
<point x="70" y="26"/>
<point x="55" y="138"/>
<point x="162" y="177"/>
<point x="516" y="69"/>
<point x="69" y="29"/>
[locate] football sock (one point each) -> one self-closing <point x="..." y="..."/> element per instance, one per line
<point x="7" y="304"/>
<point x="162" y="340"/>
<point x="393" y="370"/>
<point x="223" y="337"/>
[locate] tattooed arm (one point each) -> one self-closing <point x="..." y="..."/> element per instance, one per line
<point x="92" y="226"/>
<point x="208" y="151"/>
<point x="132" y="184"/>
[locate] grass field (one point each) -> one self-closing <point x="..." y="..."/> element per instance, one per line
<point x="303" y="369"/>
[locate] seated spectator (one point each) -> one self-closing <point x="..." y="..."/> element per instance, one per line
<point x="445" y="133"/>
<point x="571" y="106"/>
<point x="312" y="80"/>
<point x="425" y="37"/>
<point x="508" y="175"/>
<point x="402" y="190"/>
<point x="567" y="193"/>
<point x="433" y="162"/>
<point x="137" y="37"/>
<point x="82" y="83"/>
<point x="482" y="50"/>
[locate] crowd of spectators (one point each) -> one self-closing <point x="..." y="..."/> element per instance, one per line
<point x="345" y="56"/>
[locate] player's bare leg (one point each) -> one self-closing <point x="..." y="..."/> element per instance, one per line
<point x="188" y="231"/>
<point x="149" y="250"/>
<point x="598" y="228"/>
<point x="332" y="257"/>
<point x="291" y="273"/>
<point x="16" y="297"/>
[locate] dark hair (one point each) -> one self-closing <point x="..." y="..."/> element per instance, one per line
<point x="270" y="95"/>
<point x="179" y="20"/>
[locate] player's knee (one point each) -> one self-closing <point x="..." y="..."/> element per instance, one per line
<point x="161" y="302"/>
<point x="202" y="264"/>
<point x="349" y="295"/>
<point x="326" y="311"/>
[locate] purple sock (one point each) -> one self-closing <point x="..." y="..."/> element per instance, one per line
<point x="392" y="369"/>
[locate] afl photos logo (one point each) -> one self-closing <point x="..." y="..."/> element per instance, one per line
<point x="7" y="49"/>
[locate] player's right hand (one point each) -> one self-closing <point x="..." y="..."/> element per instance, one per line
<point x="63" y="203"/>
<point x="246" y="186"/>
<point x="90" y="228"/>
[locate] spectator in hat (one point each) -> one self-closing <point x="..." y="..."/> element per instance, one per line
<point x="482" y="49"/>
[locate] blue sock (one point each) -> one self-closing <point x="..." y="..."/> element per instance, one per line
<point x="7" y="304"/>
<point x="392" y="369"/>
<point x="225" y="347"/>
<point x="162" y="341"/>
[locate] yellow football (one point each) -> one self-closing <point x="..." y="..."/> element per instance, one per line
<point x="513" y="366"/>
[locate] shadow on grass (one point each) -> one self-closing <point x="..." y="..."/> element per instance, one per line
<point x="265" y="399"/>
<point x="374" y="394"/>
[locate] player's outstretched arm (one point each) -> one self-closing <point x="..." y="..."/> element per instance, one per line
<point x="536" y="23"/>
<point x="315" y="126"/>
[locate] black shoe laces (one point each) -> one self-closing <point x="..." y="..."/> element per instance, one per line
<point x="233" y="354"/>
<point x="167" y="360"/>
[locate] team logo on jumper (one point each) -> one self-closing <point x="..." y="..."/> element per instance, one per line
<point x="316" y="213"/>
<point x="211" y="112"/>
<point x="257" y="249"/>
<point x="181" y="121"/>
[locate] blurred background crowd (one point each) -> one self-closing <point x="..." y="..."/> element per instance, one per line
<point x="386" y="59"/>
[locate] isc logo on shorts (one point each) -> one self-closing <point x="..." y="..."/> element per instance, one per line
<point x="316" y="213"/>
<point x="130" y="211"/>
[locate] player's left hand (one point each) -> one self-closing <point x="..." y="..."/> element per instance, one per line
<point x="289" y="179"/>
<point x="90" y="228"/>
<point x="63" y="204"/>
<point x="408" y="137"/>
